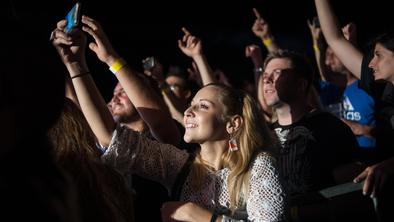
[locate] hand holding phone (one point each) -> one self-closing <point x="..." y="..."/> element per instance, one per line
<point x="73" y="17"/>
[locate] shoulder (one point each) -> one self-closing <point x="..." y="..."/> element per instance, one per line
<point x="321" y="119"/>
<point x="263" y="162"/>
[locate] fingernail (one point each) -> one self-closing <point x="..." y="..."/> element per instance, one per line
<point x="364" y="193"/>
<point x="372" y="196"/>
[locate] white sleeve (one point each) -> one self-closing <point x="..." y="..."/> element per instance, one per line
<point x="267" y="199"/>
<point x="132" y="152"/>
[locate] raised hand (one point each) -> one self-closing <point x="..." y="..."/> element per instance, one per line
<point x="70" y="47"/>
<point x="315" y="30"/>
<point x="190" y="45"/>
<point x="254" y="52"/>
<point x="101" y="45"/>
<point x="260" y="27"/>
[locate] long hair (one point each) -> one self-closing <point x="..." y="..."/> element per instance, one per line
<point x="102" y="192"/>
<point x="252" y="138"/>
<point x="71" y="136"/>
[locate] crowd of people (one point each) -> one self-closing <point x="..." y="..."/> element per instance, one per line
<point x="185" y="145"/>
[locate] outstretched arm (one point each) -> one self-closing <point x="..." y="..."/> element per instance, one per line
<point x="319" y="48"/>
<point x="192" y="47"/>
<point x="254" y="53"/>
<point x="71" y="49"/>
<point x="350" y="56"/>
<point x="149" y="105"/>
<point x="262" y="30"/>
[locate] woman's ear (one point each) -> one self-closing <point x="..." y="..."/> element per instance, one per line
<point x="234" y="124"/>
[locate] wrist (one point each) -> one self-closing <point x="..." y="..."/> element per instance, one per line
<point x="117" y="65"/>
<point x="111" y="59"/>
<point x="76" y="68"/>
<point x="316" y="47"/>
<point x="267" y="40"/>
<point x="198" y="57"/>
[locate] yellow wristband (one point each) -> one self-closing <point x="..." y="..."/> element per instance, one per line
<point x="117" y="65"/>
<point x="294" y="213"/>
<point x="267" y="41"/>
<point x="315" y="47"/>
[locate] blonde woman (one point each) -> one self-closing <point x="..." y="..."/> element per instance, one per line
<point x="233" y="176"/>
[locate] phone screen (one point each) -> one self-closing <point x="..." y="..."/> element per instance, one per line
<point x="73" y="17"/>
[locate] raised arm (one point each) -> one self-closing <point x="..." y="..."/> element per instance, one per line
<point x="254" y="53"/>
<point x="70" y="91"/>
<point x="319" y="48"/>
<point x="262" y="30"/>
<point x="192" y="47"/>
<point x="350" y="56"/>
<point x="71" y="48"/>
<point x="148" y="104"/>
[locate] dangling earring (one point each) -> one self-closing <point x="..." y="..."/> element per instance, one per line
<point x="232" y="145"/>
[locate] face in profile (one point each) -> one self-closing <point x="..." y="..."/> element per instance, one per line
<point x="279" y="84"/>
<point x="204" y="118"/>
<point x="383" y="63"/>
<point x="120" y="105"/>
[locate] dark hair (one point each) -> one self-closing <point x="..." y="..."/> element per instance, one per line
<point x="300" y="64"/>
<point x="180" y="72"/>
<point x="387" y="40"/>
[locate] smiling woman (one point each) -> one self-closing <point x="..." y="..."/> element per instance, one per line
<point x="233" y="175"/>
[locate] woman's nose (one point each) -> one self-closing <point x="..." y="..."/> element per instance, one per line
<point x="189" y="112"/>
<point x="372" y="63"/>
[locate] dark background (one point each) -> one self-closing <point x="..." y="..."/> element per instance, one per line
<point x="139" y="29"/>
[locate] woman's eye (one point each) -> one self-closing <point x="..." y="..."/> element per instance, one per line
<point x="203" y="106"/>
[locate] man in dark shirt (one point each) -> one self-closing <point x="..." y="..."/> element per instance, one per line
<point x="313" y="143"/>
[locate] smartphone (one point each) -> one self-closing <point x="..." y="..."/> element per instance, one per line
<point x="149" y="63"/>
<point x="73" y="17"/>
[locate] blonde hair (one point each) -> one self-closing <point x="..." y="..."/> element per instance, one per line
<point x="252" y="138"/>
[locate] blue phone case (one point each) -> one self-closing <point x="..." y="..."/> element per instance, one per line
<point x="73" y="17"/>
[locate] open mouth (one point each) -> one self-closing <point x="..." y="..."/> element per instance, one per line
<point x="190" y="125"/>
